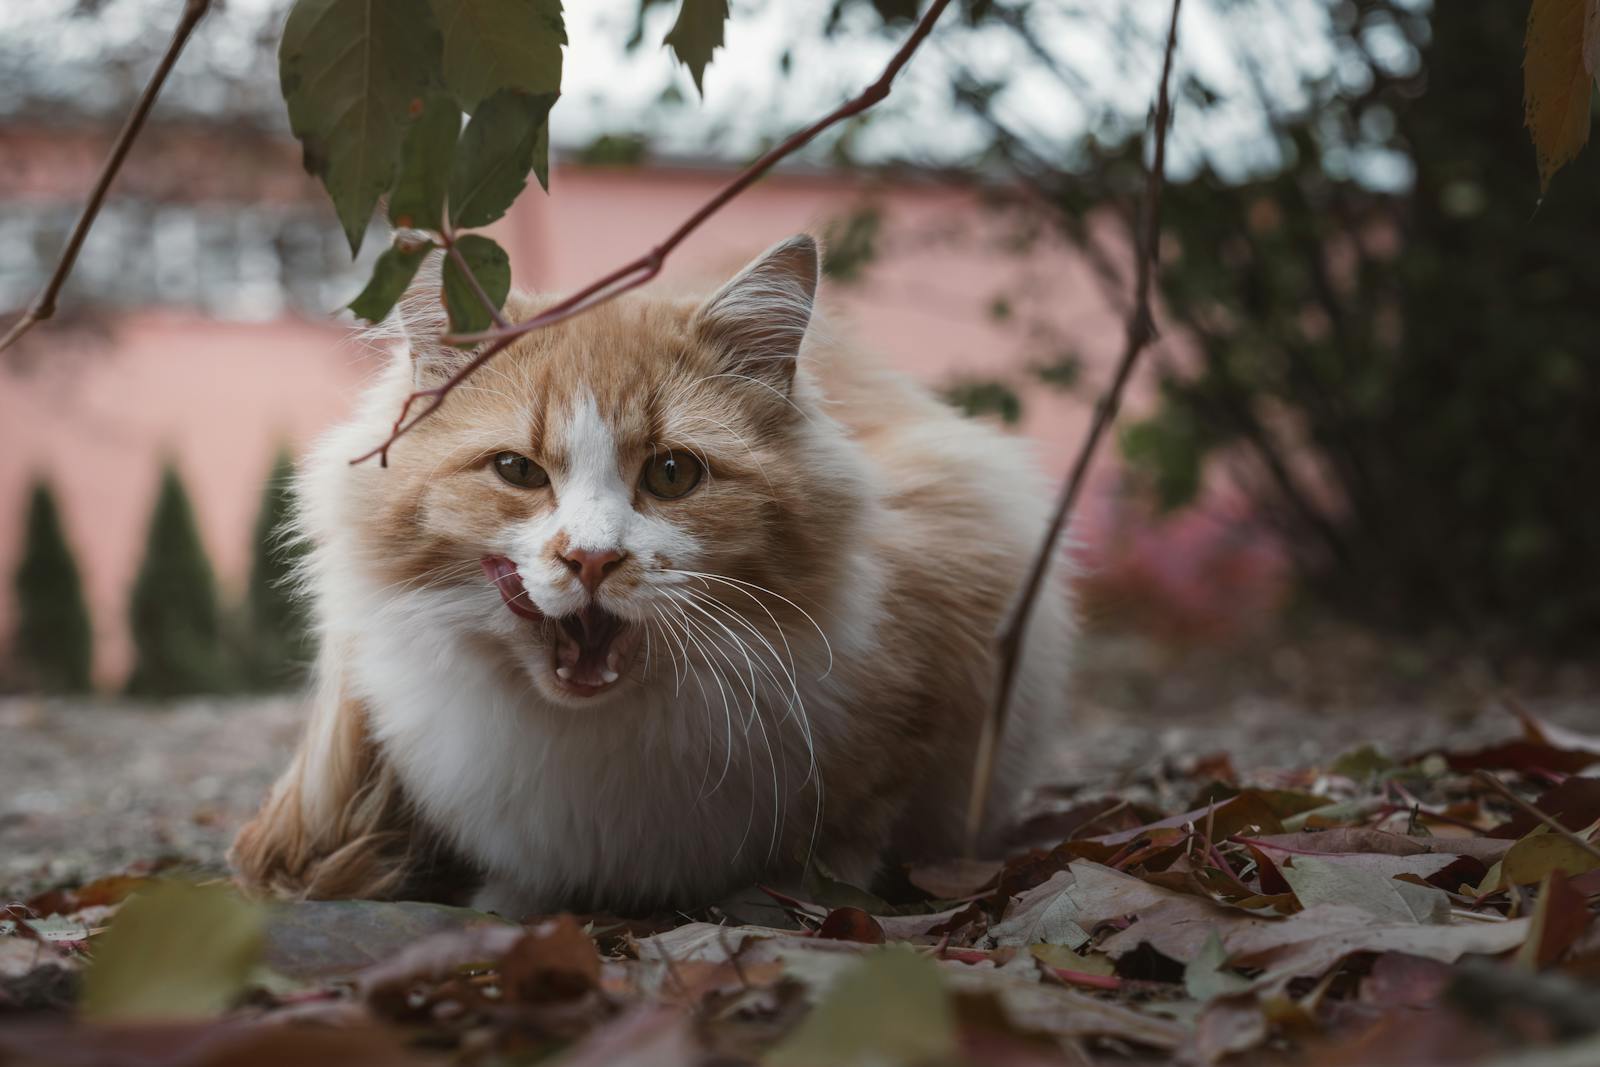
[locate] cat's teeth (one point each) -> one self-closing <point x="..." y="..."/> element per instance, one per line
<point x="609" y="676"/>
<point x="564" y="673"/>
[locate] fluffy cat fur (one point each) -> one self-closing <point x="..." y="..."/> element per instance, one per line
<point x="813" y="623"/>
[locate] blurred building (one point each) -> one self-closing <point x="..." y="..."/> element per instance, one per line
<point x="202" y="323"/>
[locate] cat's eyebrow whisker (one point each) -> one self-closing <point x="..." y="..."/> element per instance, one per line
<point x="763" y="589"/>
<point x="765" y="385"/>
<point x="697" y="417"/>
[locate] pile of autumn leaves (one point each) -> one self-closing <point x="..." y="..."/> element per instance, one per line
<point x="1440" y="910"/>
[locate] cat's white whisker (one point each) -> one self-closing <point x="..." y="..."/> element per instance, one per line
<point x="794" y="700"/>
<point x="763" y="589"/>
<point x="755" y="718"/>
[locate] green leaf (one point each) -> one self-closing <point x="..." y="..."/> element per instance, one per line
<point x="541" y="155"/>
<point x="418" y="197"/>
<point x="490" y="265"/>
<point x="1362" y="764"/>
<point x="696" y="34"/>
<point x="889" y="1009"/>
<point x="353" y="75"/>
<point x="491" y="45"/>
<point x="390" y="275"/>
<point x="1205" y="977"/>
<point x="982" y="396"/>
<point x="174" y="951"/>
<point x="1168" y="448"/>
<point x="500" y="145"/>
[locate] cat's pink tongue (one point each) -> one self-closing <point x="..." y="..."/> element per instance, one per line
<point x="503" y="574"/>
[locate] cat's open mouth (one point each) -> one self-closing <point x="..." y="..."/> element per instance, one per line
<point x="591" y="650"/>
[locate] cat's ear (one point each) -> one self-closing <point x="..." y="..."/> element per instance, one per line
<point x="760" y="317"/>
<point x="422" y="320"/>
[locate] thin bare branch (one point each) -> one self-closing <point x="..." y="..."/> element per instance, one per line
<point x="1555" y="825"/>
<point x="44" y="305"/>
<point x="637" y="272"/>
<point x="1139" y="332"/>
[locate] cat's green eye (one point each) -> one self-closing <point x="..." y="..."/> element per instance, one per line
<point x="670" y="475"/>
<point x="520" y="471"/>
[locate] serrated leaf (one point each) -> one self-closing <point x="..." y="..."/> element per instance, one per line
<point x="696" y="34"/>
<point x="490" y="45"/>
<point x="418" y="198"/>
<point x="490" y="265"/>
<point x="174" y="951"/>
<point x="391" y="274"/>
<point x="500" y="145"/>
<point x="1556" y="83"/>
<point x="353" y="74"/>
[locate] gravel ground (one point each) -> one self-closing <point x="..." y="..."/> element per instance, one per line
<point x="88" y="788"/>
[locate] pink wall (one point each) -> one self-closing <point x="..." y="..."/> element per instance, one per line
<point x="220" y="396"/>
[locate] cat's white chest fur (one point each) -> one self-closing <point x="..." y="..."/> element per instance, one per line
<point x="671" y="792"/>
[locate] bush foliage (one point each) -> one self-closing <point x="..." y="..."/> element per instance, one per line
<point x="1390" y="335"/>
<point x="54" y="643"/>
<point x="177" y="631"/>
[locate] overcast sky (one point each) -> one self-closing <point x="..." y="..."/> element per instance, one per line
<point x="1110" y="48"/>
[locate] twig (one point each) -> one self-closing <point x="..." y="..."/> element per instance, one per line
<point x="44" y="305"/>
<point x="638" y="271"/>
<point x="1140" y="331"/>
<point x="1083" y="978"/>
<point x="1549" y="820"/>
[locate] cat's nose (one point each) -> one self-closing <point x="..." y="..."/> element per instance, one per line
<point x="592" y="565"/>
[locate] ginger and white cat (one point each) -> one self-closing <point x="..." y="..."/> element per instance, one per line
<point x="666" y="599"/>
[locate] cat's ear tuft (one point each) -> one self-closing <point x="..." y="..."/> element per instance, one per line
<point x="422" y="320"/>
<point x="759" y="318"/>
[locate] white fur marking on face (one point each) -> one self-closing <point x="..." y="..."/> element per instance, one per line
<point x="594" y="503"/>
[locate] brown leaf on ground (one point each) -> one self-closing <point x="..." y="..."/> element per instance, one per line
<point x="851" y="924"/>
<point x="1228" y="1026"/>
<point x="954" y="879"/>
<point x="1575" y="804"/>
<point x="1400" y="980"/>
<point x="387" y="986"/>
<point x="218" y="1044"/>
<point x="1559" y="919"/>
<point x="1363" y="839"/>
<point x="554" y="960"/>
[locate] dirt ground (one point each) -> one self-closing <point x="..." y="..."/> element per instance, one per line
<point x="91" y="787"/>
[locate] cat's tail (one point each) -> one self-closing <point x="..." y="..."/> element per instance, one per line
<point x="336" y="824"/>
